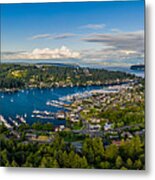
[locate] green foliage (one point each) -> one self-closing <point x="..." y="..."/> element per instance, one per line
<point x="111" y="152"/>
<point x="22" y="76"/>
<point x="69" y="136"/>
<point x="129" y="163"/>
<point x="105" y="165"/>
<point x="129" y="155"/>
<point x="133" y="148"/>
<point x="119" y="162"/>
<point x="138" y="164"/>
<point x="14" y="164"/>
<point x="41" y="126"/>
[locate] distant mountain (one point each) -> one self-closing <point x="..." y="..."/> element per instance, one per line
<point x="139" y="67"/>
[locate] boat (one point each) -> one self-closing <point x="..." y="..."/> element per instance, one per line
<point x="56" y="103"/>
<point x="5" y="122"/>
<point x="43" y="117"/>
<point x="22" y="119"/>
<point x="36" y="112"/>
<point x="2" y="96"/>
<point x="15" y="123"/>
<point x="17" y="116"/>
<point x="11" y="100"/>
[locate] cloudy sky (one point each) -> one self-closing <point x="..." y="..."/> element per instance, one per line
<point x="107" y="33"/>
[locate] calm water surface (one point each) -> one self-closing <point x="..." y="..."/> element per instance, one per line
<point x="25" y="101"/>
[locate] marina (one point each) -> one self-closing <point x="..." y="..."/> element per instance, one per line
<point x="44" y="105"/>
<point x="39" y="104"/>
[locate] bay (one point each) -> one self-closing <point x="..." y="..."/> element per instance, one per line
<point x="24" y="102"/>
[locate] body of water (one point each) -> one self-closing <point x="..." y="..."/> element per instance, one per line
<point x="24" y="102"/>
<point x="126" y="69"/>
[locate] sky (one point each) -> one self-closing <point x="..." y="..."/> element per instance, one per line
<point x="106" y="33"/>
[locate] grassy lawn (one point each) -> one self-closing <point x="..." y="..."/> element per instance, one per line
<point x="18" y="73"/>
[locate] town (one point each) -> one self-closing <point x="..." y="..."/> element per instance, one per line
<point x="87" y="115"/>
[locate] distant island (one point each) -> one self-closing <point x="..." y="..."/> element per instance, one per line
<point x="139" y="67"/>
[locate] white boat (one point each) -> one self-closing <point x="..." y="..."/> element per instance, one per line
<point x="36" y="112"/>
<point x="15" y="123"/>
<point x="22" y="119"/>
<point x="11" y="100"/>
<point x="17" y="116"/>
<point x="5" y="122"/>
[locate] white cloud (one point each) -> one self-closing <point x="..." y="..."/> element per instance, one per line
<point x="64" y="36"/>
<point x="46" y="53"/>
<point x="53" y="36"/>
<point x="41" y="36"/>
<point x="93" y="26"/>
<point x="115" y="30"/>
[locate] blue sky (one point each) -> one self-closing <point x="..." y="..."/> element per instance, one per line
<point x="101" y="32"/>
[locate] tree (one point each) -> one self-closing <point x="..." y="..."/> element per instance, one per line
<point x="123" y="168"/>
<point x="93" y="150"/>
<point x="4" y="157"/>
<point x="14" y="164"/>
<point x="138" y="164"/>
<point x="111" y="152"/>
<point x="105" y="165"/>
<point x="84" y="163"/>
<point x="119" y="162"/>
<point x="129" y="163"/>
<point x="132" y="149"/>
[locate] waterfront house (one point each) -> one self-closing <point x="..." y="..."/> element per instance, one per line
<point x="60" y="115"/>
<point x="94" y="120"/>
<point x="73" y="119"/>
<point x="107" y="126"/>
<point x="94" y="128"/>
<point x="59" y="128"/>
<point x="126" y="135"/>
<point x="30" y="136"/>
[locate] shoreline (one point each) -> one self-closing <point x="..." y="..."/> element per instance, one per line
<point x="13" y="90"/>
